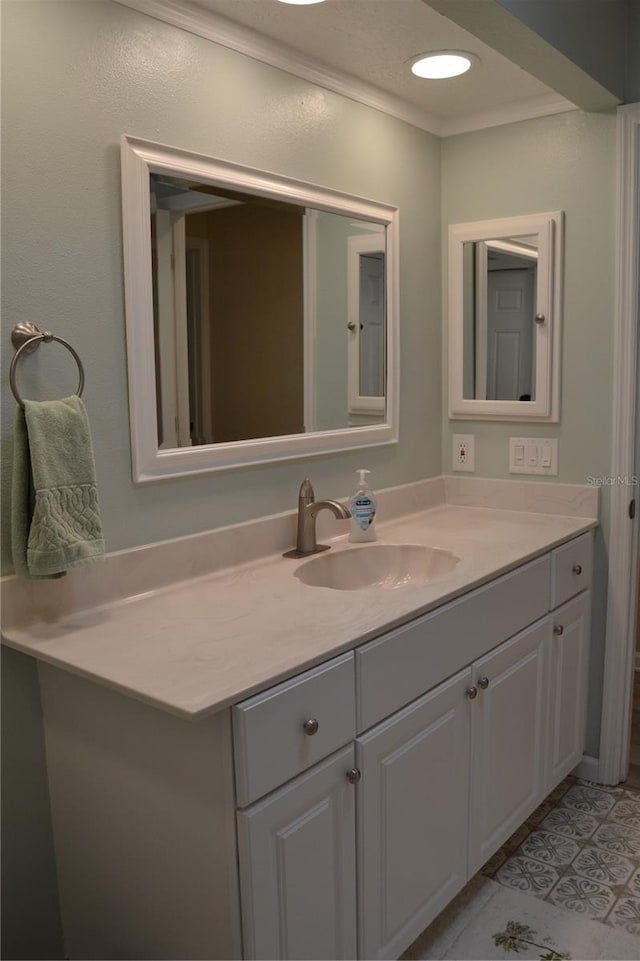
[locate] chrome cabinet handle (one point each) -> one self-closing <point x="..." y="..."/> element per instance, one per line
<point x="577" y="569"/>
<point x="540" y="318"/>
<point x="558" y="630"/>
<point x="472" y="692"/>
<point x="311" y="726"/>
<point x="483" y="683"/>
<point x="354" y="775"/>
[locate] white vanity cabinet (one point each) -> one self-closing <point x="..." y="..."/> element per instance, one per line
<point x="298" y="869"/>
<point x="448" y="778"/>
<point x="508" y="739"/>
<point x="412" y="817"/>
<point x="296" y="845"/>
<point x="335" y="814"/>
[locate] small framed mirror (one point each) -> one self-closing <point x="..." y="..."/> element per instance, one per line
<point x="505" y="301"/>
<point x="262" y="315"/>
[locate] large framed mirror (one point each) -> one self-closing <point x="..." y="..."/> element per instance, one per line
<point x="262" y="315"/>
<point x="505" y="300"/>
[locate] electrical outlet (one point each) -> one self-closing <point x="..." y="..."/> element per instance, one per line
<point x="463" y="452"/>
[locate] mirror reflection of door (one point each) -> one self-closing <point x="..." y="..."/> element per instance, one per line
<point x="366" y="326"/>
<point x="371" y="324"/>
<point x="505" y="309"/>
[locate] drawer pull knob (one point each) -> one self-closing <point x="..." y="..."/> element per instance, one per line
<point x="577" y="569"/>
<point x="311" y="726"/>
<point x="354" y="775"/>
<point x="558" y="630"/>
<point x="483" y="683"/>
<point x="472" y="692"/>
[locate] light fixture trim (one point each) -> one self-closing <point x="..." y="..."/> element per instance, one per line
<point x="301" y="3"/>
<point x="443" y="64"/>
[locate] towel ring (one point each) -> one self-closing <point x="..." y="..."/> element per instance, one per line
<point x="29" y="337"/>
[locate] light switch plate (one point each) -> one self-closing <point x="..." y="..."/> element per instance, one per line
<point x="463" y="454"/>
<point x="533" y="455"/>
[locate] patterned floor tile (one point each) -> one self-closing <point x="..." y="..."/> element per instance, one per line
<point x="626" y="914"/>
<point x="553" y="849"/>
<point x="603" y="866"/>
<point x="527" y="875"/>
<point x="588" y="800"/>
<point x="618" y="838"/>
<point x="627" y="811"/>
<point x="571" y="823"/>
<point x="583" y="896"/>
<point x="634" y="883"/>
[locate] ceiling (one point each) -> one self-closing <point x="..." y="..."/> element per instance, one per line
<point x="368" y="45"/>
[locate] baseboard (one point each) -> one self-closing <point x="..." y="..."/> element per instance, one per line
<point x="587" y="768"/>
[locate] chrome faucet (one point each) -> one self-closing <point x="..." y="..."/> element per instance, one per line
<point x="308" y="510"/>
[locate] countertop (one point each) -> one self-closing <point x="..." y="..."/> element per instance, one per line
<point x="203" y="644"/>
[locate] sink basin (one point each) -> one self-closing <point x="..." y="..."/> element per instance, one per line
<point x="387" y="566"/>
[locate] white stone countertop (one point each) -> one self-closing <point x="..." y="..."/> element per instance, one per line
<point x="198" y="646"/>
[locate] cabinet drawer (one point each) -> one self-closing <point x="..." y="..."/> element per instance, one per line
<point x="397" y="668"/>
<point x="271" y="744"/>
<point x="571" y="567"/>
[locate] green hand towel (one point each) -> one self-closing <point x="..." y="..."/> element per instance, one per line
<point x="55" y="515"/>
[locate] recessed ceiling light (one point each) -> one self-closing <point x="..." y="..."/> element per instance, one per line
<point x="443" y="64"/>
<point x="301" y="2"/>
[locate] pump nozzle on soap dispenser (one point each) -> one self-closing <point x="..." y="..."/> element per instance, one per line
<point x="363" y="511"/>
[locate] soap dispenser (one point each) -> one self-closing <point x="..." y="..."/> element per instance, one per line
<point x="363" y="512"/>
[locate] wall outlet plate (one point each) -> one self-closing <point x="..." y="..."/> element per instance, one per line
<point x="533" y="455"/>
<point x="463" y="456"/>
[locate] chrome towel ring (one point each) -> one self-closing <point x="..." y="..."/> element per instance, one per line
<point x="26" y="338"/>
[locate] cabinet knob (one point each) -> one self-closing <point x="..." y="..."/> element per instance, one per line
<point x="311" y="726"/>
<point x="539" y="318"/>
<point x="558" y="630"/>
<point x="472" y="692"/>
<point x="483" y="683"/>
<point x="577" y="569"/>
<point x="354" y="775"/>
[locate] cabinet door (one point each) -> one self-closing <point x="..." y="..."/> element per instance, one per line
<point x="412" y="817"/>
<point x="568" y="686"/>
<point x="508" y="739"/>
<point x="297" y="867"/>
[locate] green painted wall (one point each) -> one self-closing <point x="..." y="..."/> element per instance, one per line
<point x="565" y="162"/>
<point x="97" y="70"/>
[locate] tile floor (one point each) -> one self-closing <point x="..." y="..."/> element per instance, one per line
<point x="580" y="850"/>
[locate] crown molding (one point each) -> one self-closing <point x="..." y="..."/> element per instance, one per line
<point x="218" y="29"/>
<point x="527" y="109"/>
<point x="210" y="26"/>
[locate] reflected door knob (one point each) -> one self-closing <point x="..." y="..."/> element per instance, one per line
<point x="311" y="726"/>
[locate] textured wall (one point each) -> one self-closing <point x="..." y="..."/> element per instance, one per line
<point x="96" y="70"/>
<point x="565" y="162"/>
<point x="75" y="76"/>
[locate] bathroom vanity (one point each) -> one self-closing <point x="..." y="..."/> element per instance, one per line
<point x="210" y="800"/>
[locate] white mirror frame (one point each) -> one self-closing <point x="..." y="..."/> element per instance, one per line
<point x="546" y="404"/>
<point x="140" y="158"/>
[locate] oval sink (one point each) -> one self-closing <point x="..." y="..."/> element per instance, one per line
<point x="387" y="566"/>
